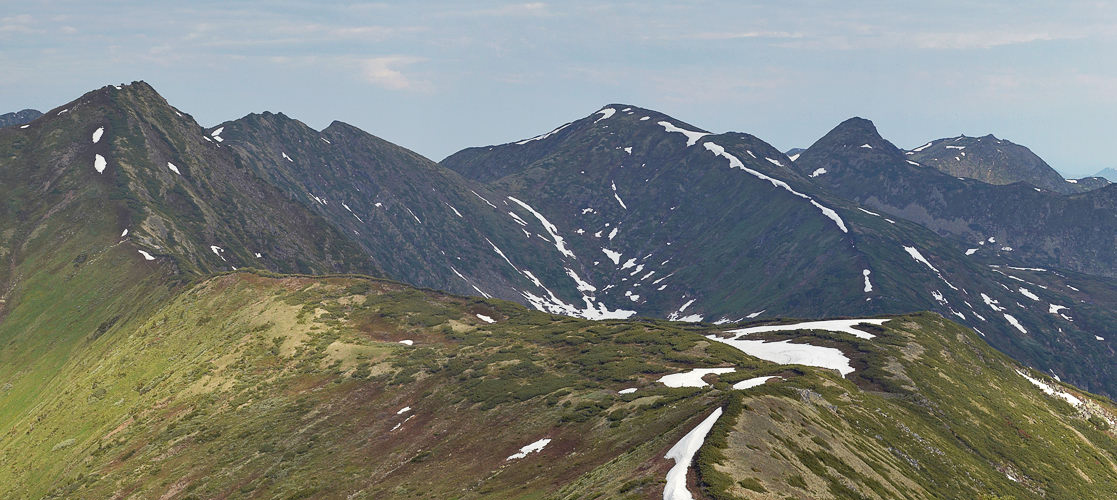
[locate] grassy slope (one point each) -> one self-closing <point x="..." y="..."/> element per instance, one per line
<point x="247" y="386"/>
<point x="951" y="419"/>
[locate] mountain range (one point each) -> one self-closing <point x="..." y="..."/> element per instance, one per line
<point x="139" y="291"/>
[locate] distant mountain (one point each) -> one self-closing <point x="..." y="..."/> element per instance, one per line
<point x="625" y="212"/>
<point x="1108" y="173"/>
<point x="140" y="356"/>
<point x="682" y="223"/>
<point x="793" y="153"/>
<point x="19" y="117"/>
<point x="1029" y="225"/>
<point x="993" y="161"/>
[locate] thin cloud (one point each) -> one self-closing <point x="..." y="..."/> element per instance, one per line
<point x="384" y="72"/>
<point x="739" y="35"/>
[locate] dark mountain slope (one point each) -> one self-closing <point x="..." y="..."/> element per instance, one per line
<point x="1026" y="224"/>
<point x="701" y="232"/>
<point x="179" y="194"/>
<point x="994" y="161"/>
<point x="19" y="117"/>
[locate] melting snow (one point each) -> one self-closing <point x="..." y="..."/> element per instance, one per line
<point x="403" y="410"/>
<point x="551" y="229"/>
<point x="486" y="319"/>
<point x="734" y="162"/>
<point x="1025" y="292"/>
<point x="866" y="146"/>
<point x="691" y="136"/>
<point x="818" y="171"/>
<point x="97" y="134"/>
<point x="285" y="157"/>
<point x="683" y="454"/>
<point x="613" y="233"/>
<point x="755" y="314"/>
<point x="605" y="113"/>
<point x="692" y="378"/>
<point x="1054" y="309"/>
<point x="1015" y="323"/>
<point x="833" y="325"/>
<point x="173" y="168"/>
<point x="99" y="163"/>
<point x="921" y="148"/>
<point x="456" y="212"/>
<point x="613" y="256"/>
<point x="645" y="118"/>
<point x="971" y="251"/>
<point x="216" y="134"/>
<point x="24" y="126"/>
<point x="774" y="162"/>
<point x="785" y="353"/>
<point x="216" y="251"/>
<point x="753" y="382"/>
<point x="628" y="150"/>
<point x="868" y="212"/>
<point x="630" y="390"/>
<point x="544" y="136"/>
<point x="868" y="285"/>
<point x="1051" y="390"/>
<point x="531" y="448"/>
<point x="146" y="255"/>
<point x="407" y="342"/>
<point x="125" y="233"/>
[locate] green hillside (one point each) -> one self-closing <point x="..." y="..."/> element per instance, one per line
<point x="252" y="386"/>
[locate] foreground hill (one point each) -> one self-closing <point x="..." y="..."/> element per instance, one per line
<point x="251" y="386"/>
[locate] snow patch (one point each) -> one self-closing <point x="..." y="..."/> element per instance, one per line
<point x="486" y="319"/>
<point x="832" y="325"/>
<point x="971" y="251"/>
<point x="531" y="448"/>
<point x="173" y="168"/>
<point x="613" y="256"/>
<point x="786" y="353"/>
<point x="97" y="134"/>
<point x="1025" y="292"/>
<point x="818" y="171"/>
<point x="605" y="113"/>
<point x="543" y="136"/>
<point x="407" y="342"/>
<point x="146" y="255"/>
<point x="868" y="285"/>
<point x="630" y="390"/>
<point x="683" y="454"/>
<point x="866" y="146"/>
<point x="692" y="378"/>
<point x="691" y="136"/>
<point x="550" y="228"/>
<point x="753" y="382"/>
<point x="734" y="162"/>
<point x="1052" y="390"/>
<point x="99" y="163"/>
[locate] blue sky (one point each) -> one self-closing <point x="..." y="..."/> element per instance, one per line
<point x="440" y="76"/>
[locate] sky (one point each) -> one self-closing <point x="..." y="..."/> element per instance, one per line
<point x="438" y="76"/>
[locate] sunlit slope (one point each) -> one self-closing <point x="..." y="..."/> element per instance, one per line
<point x="247" y="386"/>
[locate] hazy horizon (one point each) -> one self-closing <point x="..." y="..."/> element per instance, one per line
<point x="445" y="76"/>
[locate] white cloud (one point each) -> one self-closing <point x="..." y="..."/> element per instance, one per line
<point x="384" y="72"/>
